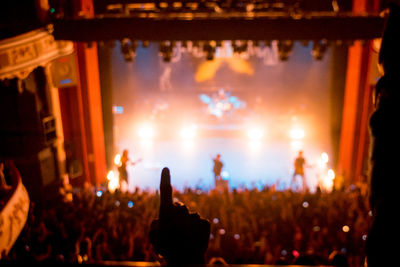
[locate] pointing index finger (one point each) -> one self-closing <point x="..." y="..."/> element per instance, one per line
<point x="165" y="191"/>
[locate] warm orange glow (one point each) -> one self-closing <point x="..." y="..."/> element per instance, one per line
<point x="240" y="65"/>
<point x="113" y="181"/>
<point x="327" y="181"/>
<point x="208" y="69"/>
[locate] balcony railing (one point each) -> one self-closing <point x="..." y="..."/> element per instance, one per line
<point x="14" y="212"/>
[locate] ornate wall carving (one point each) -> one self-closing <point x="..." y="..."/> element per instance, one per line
<point x="21" y="54"/>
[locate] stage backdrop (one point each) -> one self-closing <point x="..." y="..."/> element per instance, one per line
<point x="259" y="91"/>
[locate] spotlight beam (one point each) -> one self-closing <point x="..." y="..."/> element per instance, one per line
<point x="314" y="26"/>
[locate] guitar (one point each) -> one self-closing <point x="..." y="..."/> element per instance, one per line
<point x="120" y="168"/>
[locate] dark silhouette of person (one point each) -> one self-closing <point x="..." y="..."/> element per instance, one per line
<point x="123" y="173"/>
<point x="122" y="168"/>
<point x="299" y="164"/>
<point x="179" y="236"/>
<point x="338" y="259"/>
<point x="217" y="168"/>
<point x="382" y="244"/>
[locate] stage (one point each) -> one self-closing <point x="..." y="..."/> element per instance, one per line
<point x="224" y="98"/>
<point x="247" y="164"/>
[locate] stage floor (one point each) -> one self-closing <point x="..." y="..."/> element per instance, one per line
<point x="246" y="164"/>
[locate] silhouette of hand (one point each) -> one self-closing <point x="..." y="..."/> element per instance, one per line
<point x="179" y="236"/>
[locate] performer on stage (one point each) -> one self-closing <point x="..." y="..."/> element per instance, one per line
<point x="122" y="169"/>
<point x="217" y="168"/>
<point x="123" y="173"/>
<point x="299" y="164"/>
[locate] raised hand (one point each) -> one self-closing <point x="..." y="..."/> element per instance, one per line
<point x="179" y="236"/>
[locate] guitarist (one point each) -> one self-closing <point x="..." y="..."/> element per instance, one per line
<point x="122" y="167"/>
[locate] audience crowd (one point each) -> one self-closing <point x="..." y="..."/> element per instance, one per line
<point x="248" y="226"/>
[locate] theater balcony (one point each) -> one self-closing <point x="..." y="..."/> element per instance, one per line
<point x="31" y="130"/>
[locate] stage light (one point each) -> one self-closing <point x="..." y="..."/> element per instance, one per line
<point x="225" y="174"/>
<point x="188" y="132"/>
<point x="209" y="49"/>
<point x="304" y="43"/>
<point x="255" y="133"/>
<point x="166" y="50"/>
<point x="319" y="49"/>
<point x="130" y="204"/>
<point x="267" y="43"/>
<point x="324" y="158"/>
<point x="117" y="160"/>
<point x="235" y="47"/>
<point x="110" y="175"/>
<point x="239" y="46"/>
<point x="250" y="7"/>
<point x="297" y="133"/>
<point x="128" y="49"/>
<point x="285" y="49"/>
<point x="255" y="43"/>
<point x="331" y="174"/>
<point x="205" y="99"/>
<point x="99" y="193"/>
<point x="113" y="181"/>
<point x="145" y="44"/>
<point x="146" y="132"/>
<point x="327" y="180"/>
<point x="345" y="228"/>
<point x="335" y="6"/>
<point x="118" y="109"/>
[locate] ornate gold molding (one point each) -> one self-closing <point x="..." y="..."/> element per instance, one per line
<point x="21" y="54"/>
